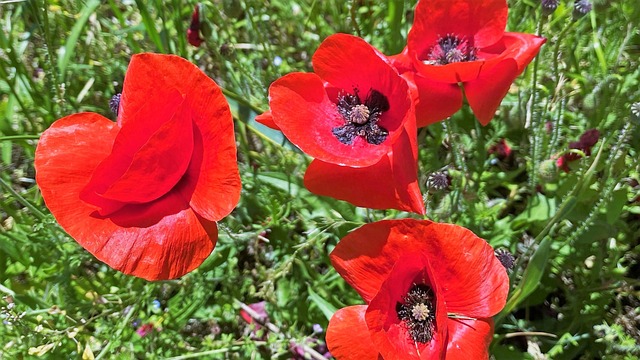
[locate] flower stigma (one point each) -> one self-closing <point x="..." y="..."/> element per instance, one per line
<point x="361" y="118"/>
<point x="417" y="311"/>
<point x="451" y="49"/>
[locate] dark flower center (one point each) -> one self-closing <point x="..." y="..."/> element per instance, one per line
<point x="418" y="312"/>
<point x="451" y="49"/>
<point x="506" y="258"/>
<point x="361" y="118"/>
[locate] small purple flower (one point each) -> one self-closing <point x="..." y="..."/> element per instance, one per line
<point x="582" y="7"/>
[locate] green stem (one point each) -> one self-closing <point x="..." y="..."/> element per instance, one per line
<point x="19" y="137"/>
<point x="241" y="100"/>
<point x="39" y="214"/>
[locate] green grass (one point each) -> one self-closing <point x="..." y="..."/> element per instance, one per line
<point x="575" y="234"/>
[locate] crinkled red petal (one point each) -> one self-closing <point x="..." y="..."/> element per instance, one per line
<point x="477" y="284"/>
<point x="211" y="183"/>
<point x="485" y="93"/>
<point x="301" y="108"/>
<point x="348" y="336"/>
<point x="347" y="62"/>
<point x="160" y="240"/>
<point x="482" y="21"/>
<point x="148" y="158"/>
<point x="387" y="331"/>
<point x="392" y="183"/>
<point x="435" y="101"/>
<point x="469" y="339"/>
<point x="474" y="282"/>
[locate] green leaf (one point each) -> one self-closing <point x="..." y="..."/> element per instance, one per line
<point x="7" y="245"/>
<point x="150" y="26"/>
<point x="327" y="309"/>
<point x="615" y="206"/>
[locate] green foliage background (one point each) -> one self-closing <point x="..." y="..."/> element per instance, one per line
<point x="575" y="235"/>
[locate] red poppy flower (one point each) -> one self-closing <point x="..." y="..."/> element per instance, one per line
<point x="143" y="194"/>
<point x="584" y="144"/>
<point x="355" y="116"/>
<point x="501" y="149"/>
<point x="193" y="32"/>
<point x="430" y="290"/>
<point x="463" y="41"/>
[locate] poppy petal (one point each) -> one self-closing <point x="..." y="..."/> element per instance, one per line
<point x="348" y="62"/>
<point x="301" y="108"/>
<point x="387" y="330"/>
<point x="67" y="154"/>
<point x="522" y="47"/>
<point x="402" y="62"/>
<point x="476" y="283"/>
<point x="213" y="170"/>
<point x="469" y="339"/>
<point x="148" y="158"/>
<point x="362" y="258"/>
<point x="348" y="336"/>
<point x="389" y="184"/>
<point x="435" y="101"/>
<point x="482" y="21"/>
<point x="266" y="119"/>
<point x="485" y="93"/>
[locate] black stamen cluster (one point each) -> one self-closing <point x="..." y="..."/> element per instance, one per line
<point x="451" y="49"/>
<point x="582" y="7"/>
<point x="550" y="5"/>
<point x="114" y="103"/>
<point x="438" y="180"/>
<point x="360" y="121"/>
<point x="420" y="296"/>
<point x="506" y="258"/>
